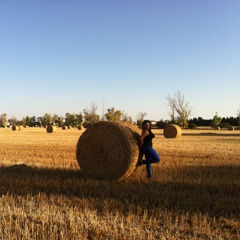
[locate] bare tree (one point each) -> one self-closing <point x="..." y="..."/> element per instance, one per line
<point x="103" y="111"/>
<point x="238" y="115"/>
<point x="124" y="116"/>
<point x="14" y="120"/>
<point x="90" y="115"/>
<point x="3" y="120"/>
<point x="142" y="115"/>
<point x="179" y="106"/>
<point x="140" y="118"/>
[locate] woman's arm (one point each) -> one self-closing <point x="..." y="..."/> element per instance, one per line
<point x="143" y="135"/>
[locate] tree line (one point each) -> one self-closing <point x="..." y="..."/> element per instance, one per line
<point x="89" y="116"/>
<point x="179" y="113"/>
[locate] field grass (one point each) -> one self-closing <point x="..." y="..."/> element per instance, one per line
<point x="194" y="194"/>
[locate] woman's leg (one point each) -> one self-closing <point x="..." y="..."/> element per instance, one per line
<point x="149" y="169"/>
<point x="151" y="157"/>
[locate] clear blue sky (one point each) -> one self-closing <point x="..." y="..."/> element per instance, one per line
<point x="61" y="56"/>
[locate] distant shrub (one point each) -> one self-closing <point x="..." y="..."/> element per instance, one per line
<point x="225" y="125"/>
<point x="192" y="126"/>
<point x="161" y="124"/>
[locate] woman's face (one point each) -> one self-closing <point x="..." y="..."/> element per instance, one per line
<point x="146" y="125"/>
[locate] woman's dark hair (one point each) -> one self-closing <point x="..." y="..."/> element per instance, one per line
<point x="146" y="121"/>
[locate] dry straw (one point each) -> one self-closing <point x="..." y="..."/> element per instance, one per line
<point x="172" y="131"/>
<point x="108" y="150"/>
<point x="51" y="129"/>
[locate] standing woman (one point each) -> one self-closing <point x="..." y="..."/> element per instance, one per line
<point x="146" y="147"/>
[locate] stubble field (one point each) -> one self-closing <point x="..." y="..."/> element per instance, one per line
<point x="194" y="194"/>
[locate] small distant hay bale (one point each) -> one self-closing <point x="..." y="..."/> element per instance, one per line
<point x="69" y="127"/>
<point x="172" y="131"/>
<point x="230" y="128"/>
<point x="51" y="129"/>
<point x="64" y="127"/>
<point x="217" y="128"/>
<point x="79" y="127"/>
<point x="108" y="150"/>
<point x="14" y="128"/>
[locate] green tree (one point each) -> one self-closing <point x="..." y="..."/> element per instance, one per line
<point x="58" y="120"/>
<point x="139" y="122"/>
<point x="113" y="115"/>
<point x="28" y="121"/>
<point x="79" y="119"/>
<point x="47" y="119"/>
<point x="70" y="119"/>
<point x="216" y="121"/>
<point x="130" y="119"/>
<point x="33" y="121"/>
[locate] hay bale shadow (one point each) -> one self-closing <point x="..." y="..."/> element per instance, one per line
<point x="215" y="194"/>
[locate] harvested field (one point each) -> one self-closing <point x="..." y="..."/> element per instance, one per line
<point x="194" y="194"/>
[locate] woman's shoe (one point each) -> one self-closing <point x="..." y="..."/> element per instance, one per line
<point x="140" y="163"/>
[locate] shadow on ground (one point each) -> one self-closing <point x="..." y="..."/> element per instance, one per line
<point x="211" y="190"/>
<point x="212" y="134"/>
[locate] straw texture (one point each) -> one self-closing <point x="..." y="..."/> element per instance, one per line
<point x="172" y="131"/>
<point x="108" y="150"/>
<point x="51" y="129"/>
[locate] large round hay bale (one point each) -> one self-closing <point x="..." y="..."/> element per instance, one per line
<point x="230" y="128"/>
<point x="51" y="129"/>
<point x="108" y="150"/>
<point x="172" y="131"/>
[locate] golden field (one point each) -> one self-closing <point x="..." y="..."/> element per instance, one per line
<point x="194" y="194"/>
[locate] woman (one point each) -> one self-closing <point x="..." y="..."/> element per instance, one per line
<point x="146" y="148"/>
